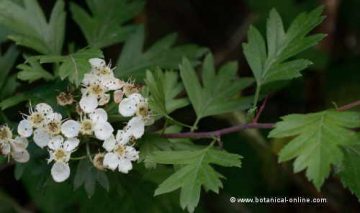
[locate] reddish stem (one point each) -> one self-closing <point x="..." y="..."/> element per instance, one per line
<point x="260" y="110"/>
<point x="220" y="132"/>
<point x="348" y="106"/>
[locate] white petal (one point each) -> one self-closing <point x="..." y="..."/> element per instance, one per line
<point x="21" y="141"/>
<point x="131" y="153"/>
<point x="109" y="144"/>
<point x="21" y="156"/>
<point x="136" y="127"/>
<point x="57" y="117"/>
<point x="137" y="97"/>
<point x="70" y="128"/>
<point x="60" y="171"/>
<point x="25" y="128"/>
<point x="122" y="137"/>
<point x="71" y="144"/>
<point x="104" y="99"/>
<point x="111" y="161"/>
<point x="56" y="142"/>
<point x="88" y="103"/>
<point x="43" y="108"/>
<point x="97" y="62"/>
<point x="41" y="137"/>
<point x="127" y="107"/>
<point x="118" y="96"/>
<point x="125" y="165"/>
<point x="111" y="83"/>
<point x="5" y="148"/>
<point x="99" y="115"/>
<point x="103" y="130"/>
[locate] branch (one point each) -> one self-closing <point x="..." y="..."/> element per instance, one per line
<point x="220" y="132"/>
<point x="348" y="106"/>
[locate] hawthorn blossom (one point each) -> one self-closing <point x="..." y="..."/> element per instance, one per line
<point x="60" y="151"/>
<point x="119" y="154"/>
<point x="96" y="123"/>
<point x="16" y="148"/>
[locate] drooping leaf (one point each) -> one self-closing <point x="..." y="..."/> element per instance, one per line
<point x="32" y="71"/>
<point x="195" y="171"/>
<point x="218" y="91"/>
<point x="30" y="28"/>
<point x="88" y="175"/>
<point x="105" y="25"/>
<point x="350" y="171"/>
<point x="134" y="61"/>
<point x="272" y="60"/>
<point x="164" y="88"/>
<point x="317" y="139"/>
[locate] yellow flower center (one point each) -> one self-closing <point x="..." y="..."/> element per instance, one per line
<point x="86" y="127"/>
<point x="5" y="133"/>
<point x="104" y="71"/>
<point x="59" y="155"/>
<point x="120" y="150"/>
<point x="37" y="119"/>
<point x="54" y="127"/>
<point x="142" y="110"/>
<point x="96" y="89"/>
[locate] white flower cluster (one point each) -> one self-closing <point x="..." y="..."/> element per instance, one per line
<point x="61" y="136"/>
<point x="16" y="148"/>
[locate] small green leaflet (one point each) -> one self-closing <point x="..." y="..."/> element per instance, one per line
<point x="317" y="139"/>
<point x="104" y="26"/>
<point x="32" y="71"/>
<point x="350" y="170"/>
<point x="194" y="172"/>
<point x="133" y="61"/>
<point x="88" y="175"/>
<point x="274" y="62"/>
<point x="30" y="28"/>
<point x="218" y="91"/>
<point x="75" y="65"/>
<point x="164" y="88"/>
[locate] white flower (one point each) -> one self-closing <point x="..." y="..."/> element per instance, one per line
<point x="97" y="123"/>
<point x="60" y="152"/>
<point x="14" y="147"/>
<point x="41" y="137"/>
<point x="89" y="103"/>
<point x="128" y="106"/>
<point x="120" y="155"/>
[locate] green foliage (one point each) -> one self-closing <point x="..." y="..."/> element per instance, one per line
<point x="104" y="26"/>
<point x="75" y="65"/>
<point x="218" y="91"/>
<point x="317" y="139"/>
<point x="30" y="28"/>
<point x="164" y="89"/>
<point x="350" y="171"/>
<point x="8" y="83"/>
<point x="133" y="61"/>
<point x="275" y="61"/>
<point x="88" y="175"/>
<point x="32" y="71"/>
<point x="195" y="172"/>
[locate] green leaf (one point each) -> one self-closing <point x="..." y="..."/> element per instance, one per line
<point x="30" y="28"/>
<point x="195" y="172"/>
<point x="317" y="139"/>
<point x="105" y="25"/>
<point x="218" y="91"/>
<point x="164" y="88"/>
<point x="32" y="71"/>
<point x="133" y="61"/>
<point x="350" y="171"/>
<point x="88" y="175"/>
<point x="75" y="65"/>
<point x="274" y="62"/>
<point x="7" y="60"/>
